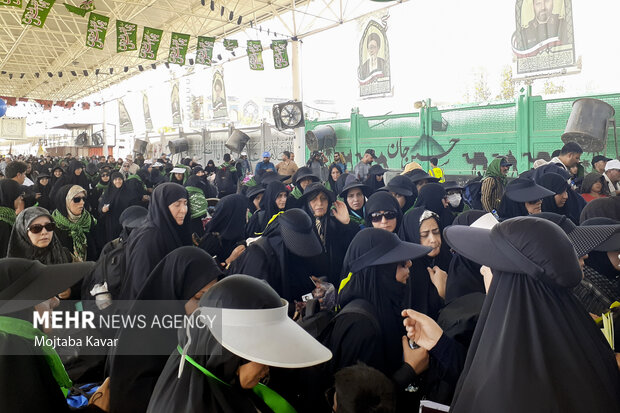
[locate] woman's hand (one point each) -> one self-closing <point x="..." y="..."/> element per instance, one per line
<point x="421" y="329"/>
<point x="235" y="254"/>
<point x="439" y="278"/>
<point x="416" y="358"/>
<point x="105" y="208"/>
<point x="341" y="213"/>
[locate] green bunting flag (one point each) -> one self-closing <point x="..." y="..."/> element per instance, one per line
<point x="230" y="44"/>
<point x="85" y="7"/>
<point x="36" y="12"/>
<point x="12" y="3"/>
<point x="126" y="36"/>
<point x="178" y="48"/>
<point x="204" y="50"/>
<point x="150" y="43"/>
<point x="280" y="56"/>
<point x="97" y="29"/>
<point x="255" y="55"/>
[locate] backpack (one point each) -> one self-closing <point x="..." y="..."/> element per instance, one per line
<point x="225" y="179"/>
<point x="110" y="269"/>
<point x="320" y="323"/>
<point x="472" y="193"/>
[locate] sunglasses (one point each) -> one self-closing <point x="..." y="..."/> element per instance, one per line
<point x="36" y="228"/>
<point x="378" y="216"/>
<point x="79" y="199"/>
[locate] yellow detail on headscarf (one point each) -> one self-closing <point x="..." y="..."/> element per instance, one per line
<point x="344" y="282"/>
<point x="273" y="218"/>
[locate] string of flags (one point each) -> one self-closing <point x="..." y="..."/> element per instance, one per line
<point x="48" y="104"/>
<point x="36" y="13"/>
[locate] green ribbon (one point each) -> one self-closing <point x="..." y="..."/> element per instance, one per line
<point x="8" y="215"/>
<point x="25" y="329"/>
<point x="272" y="399"/>
<point x="197" y="202"/>
<point x="78" y="230"/>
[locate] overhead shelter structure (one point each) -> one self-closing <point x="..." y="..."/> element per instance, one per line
<point x="53" y="62"/>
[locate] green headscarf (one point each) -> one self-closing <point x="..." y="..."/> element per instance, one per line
<point x="7" y="215"/>
<point x="495" y="171"/>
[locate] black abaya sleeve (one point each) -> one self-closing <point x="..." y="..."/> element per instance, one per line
<point x="5" y="235"/>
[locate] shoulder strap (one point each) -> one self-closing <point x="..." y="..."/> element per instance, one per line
<point x="271" y="398"/>
<point x="360" y="306"/>
<point x="25" y="329"/>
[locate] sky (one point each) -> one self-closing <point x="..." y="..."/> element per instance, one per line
<point x="436" y="50"/>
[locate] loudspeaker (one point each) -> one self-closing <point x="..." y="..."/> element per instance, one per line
<point x="237" y="141"/>
<point x="322" y="137"/>
<point x="178" y="146"/>
<point x="81" y="139"/>
<point x="587" y="124"/>
<point x="139" y="146"/>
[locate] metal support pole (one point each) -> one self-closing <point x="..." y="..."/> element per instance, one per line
<point x="300" y="137"/>
<point x="105" y="135"/>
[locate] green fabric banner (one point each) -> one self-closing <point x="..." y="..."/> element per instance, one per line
<point x="11" y="3"/>
<point x="280" y="56"/>
<point x="126" y="36"/>
<point x="204" y="50"/>
<point x="255" y="55"/>
<point x="178" y="48"/>
<point x="151" y="38"/>
<point x="36" y="12"/>
<point x="230" y="44"/>
<point x="97" y="29"/>
<point x="84" y="8"/>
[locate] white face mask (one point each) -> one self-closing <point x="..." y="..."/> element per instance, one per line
<point x="454" y="200"/>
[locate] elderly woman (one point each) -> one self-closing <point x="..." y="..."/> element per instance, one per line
<point x="333" y="227"/>
<point x="33" y="237"/>
<point x="75" y="226"/>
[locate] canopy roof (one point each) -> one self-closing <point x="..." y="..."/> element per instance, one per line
<point x="59" y="46"/>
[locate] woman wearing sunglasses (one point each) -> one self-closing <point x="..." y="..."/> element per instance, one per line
<point x="75" y="226"/>
<point x="523" y="197"/>
<point x="383" y="211"/>
<point x="33" y="237"/>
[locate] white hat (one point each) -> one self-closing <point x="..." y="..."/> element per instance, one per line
<point x="178" y="170"/>
<point x="244" y="153"/>
<point x="613" y="164"/>
<point x="276" y="340"/>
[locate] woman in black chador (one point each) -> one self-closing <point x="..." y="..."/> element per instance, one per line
<point x="167" y="228"/>
<point x="535" y="348"/>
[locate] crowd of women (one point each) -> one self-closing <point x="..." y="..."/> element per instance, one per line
<point x="343" y="295"/>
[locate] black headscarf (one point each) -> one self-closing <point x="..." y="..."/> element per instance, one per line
<point x="378" y="286"/>
<point x="118" y="199"/>
<point x="383" y="201"/>
<point x="44" y="200"/>
<point x="9" y="192"/>
<point x="176" y="279"/>
<point x="556" y="183"/>
<point x="156" y="177"/>
<point x="201" y="182"/>
<point x="53" y="178"/>
<point x="268" y="202"/>
<point x="70" y="178"/>
<point x="423" y="295"/>
<point x="371" y="180"/>
<point x="229" y="217"/>
<point x="511" y="209"/>
<point x="21" y="247"/>
<point x="531" y="326"/>
<point x="332" y="183"/>
<point x="159" y="236"/>
<point x="430" y="197"/>
<point x="210" y="168"/>
<point x="194" y="391"/>
<point x="401" y="183"/>
<point x="463" y="274"/>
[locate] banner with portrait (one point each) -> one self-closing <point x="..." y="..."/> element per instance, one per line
<point x="148" y="121"/>
<point x="218" y="95"/>
<point x="544" y="35"/>
<point x="175" y="104"/>
<point x="373" y="72"/>
<point x="124" y="121"/>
